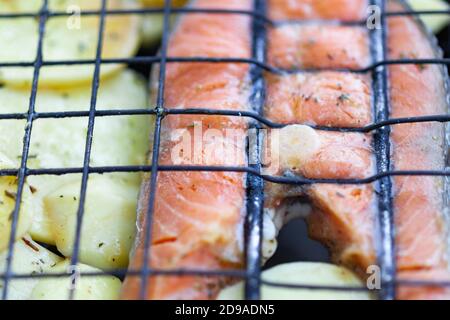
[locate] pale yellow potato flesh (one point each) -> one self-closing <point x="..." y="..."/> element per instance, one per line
<point x="41" y="224"/>
<point x="108" y="227"/>
<point x="160" y="3"/>
<point x="152" y="24"/>
<point x="60" y="143"/>
<point x="303" y="273"/>
<point x="95" y="287"/>
<point x="151" y="30"/>
<point x="8" y="191"/>
<point x="72" y="37"/>
<point x="28" y="258"/>
<point x="435" y="22"/>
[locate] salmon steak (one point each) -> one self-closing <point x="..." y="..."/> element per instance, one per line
<point x="323" y="96"/>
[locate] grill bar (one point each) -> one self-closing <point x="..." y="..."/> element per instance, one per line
<point x="230" y="273"/>
<point x="255" y="184"/>
<point x="156" y="146"/>
<point x="145" y="60"/>
<point x="443" y="118"/>
<point x="234" y="273"/>
<point x="255" y="14"/>
<point x="89" y="138"/>
<point x="242" y="169"/>
<point x="386" y="247"/>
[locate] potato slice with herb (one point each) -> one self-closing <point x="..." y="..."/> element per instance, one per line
<point x="109" y="220"/>
<point x="307" y="274"/>
<point x="59" y="143"/>
<point x="72" y="37"/>
<point x="87" y="287"/>
<point x="43" y="185"/>
<point x="8" y="191"/>
<point x="29" y="258"/>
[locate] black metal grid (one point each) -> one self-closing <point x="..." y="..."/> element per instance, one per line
<point x="386" y="254"/>
<point x="381" y="128"/>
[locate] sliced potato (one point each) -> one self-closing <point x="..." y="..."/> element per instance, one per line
<point x="44" y="185"/>
<point x="108" y="224"/>
<point x="29" y="258"/>
<point x="8" y="6"/>
<point x="8" y="191"/>
<point x="98" y="287"/>
<point x="435" y="22"/>
<point x="71" y="37"/>
<point x="118" y="140"/>
<point x="57" y="143"/>
<point x="151" y="30"/>
<point x="152" y="24"/>
<point x="306" y="274"/>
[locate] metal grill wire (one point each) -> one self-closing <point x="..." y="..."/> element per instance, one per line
<point x="381" y="128"/>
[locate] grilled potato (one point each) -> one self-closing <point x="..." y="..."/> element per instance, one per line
<point x="307" y="274"/>
<point x="59" y="143"/>
<point x="28" y="258"/>
<point x="435" y="22"/>
<point x="152" y="24"/>
<point x="109" y="220"/>
<point x="72" y="37"/>
<point x="8" y="191"/>
<point x="98" y="287"/>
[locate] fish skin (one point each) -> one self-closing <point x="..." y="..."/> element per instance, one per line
<point x="198" y="216"/>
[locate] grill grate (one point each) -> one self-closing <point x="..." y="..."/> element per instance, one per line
<point x="386" y="254"/>
<point x="256" y="179"/>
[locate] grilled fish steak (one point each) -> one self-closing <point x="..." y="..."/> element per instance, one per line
<point x="199" y="216"/>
